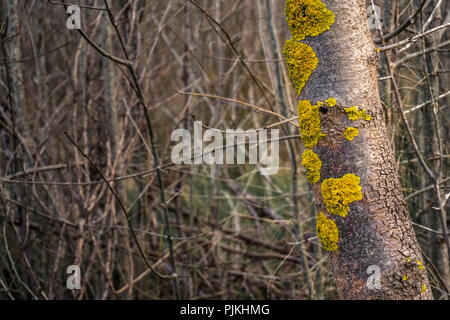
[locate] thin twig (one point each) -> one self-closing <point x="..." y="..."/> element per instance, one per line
<point x="403" y="26"/>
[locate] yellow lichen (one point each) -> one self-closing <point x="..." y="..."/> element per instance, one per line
<point x="301" y="60"/>
<point x="424" y="288"/>
<point x="354" y="114"/>
<point x="327" y="231"/>
<point x="339" y="193"/>
<point x="312" y="164"/>
<point x="350" y="133"/>
<point x="309" y="123"/>
<point x="331" y="102"/>
<point x="419" y="265"/>
<point x="307" y="18"/>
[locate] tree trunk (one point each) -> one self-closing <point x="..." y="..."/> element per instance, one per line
<point x="363" y="198"/>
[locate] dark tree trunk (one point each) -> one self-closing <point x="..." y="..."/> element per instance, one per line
<point x="377" y="230"/>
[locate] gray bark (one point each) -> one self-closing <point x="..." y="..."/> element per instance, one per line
<point x="377" y="230"/>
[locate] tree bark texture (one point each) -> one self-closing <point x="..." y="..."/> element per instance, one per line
<point x="377" y="230"/>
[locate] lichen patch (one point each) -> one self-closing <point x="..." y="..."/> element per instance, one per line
<point x="339" y="193"/>
<point x="354" y="114"/>
<point x="331" y="102"/>
<point x="309" y="123"/>
<point x="351" y="133"/>
<point x="301" y="60"/>
<point x="312" y="164"/>
<point x="307" y="18"/>
<point x="327" y="232"/>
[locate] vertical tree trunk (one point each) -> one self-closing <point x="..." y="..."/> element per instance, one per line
<point x="18" y="110"/>
<point x="364" y="222"/>
<point x="431" y="61"/>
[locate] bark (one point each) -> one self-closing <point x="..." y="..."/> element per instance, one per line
<point x="377" y="230"/>
<point x="17" y="101"/>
